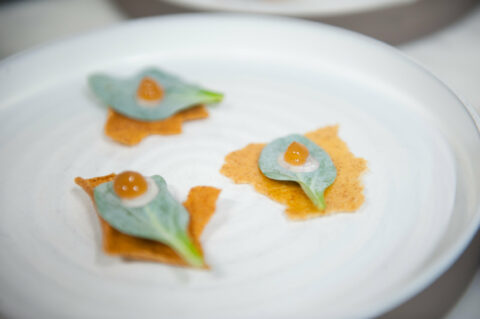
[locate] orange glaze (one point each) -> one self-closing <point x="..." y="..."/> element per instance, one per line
<point x="296" y="154"/>
<point x="149" y="90"/>
<point x="129" y="185"/>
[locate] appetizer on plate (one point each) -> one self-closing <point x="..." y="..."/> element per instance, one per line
<point x="141" y="219"/>
<point x="296" y="158"/>
<point x="150" y="102"/>
<point x="313" y="175"/>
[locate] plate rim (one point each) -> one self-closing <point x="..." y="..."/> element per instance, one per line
<point x="302" y="12"/>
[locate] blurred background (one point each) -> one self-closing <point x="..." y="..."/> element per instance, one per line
<point x="442" y="35"/>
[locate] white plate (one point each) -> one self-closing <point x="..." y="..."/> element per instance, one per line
<point x="420" y="141"/>
<point x="292" y="7"/>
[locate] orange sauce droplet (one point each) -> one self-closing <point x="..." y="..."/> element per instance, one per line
<point x="149" y="90"/>
<point x="129" y="185"/>
<point x="296" y="154"/>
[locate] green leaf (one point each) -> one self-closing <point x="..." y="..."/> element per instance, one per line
<point x="121" y="94"/>
<point x="162" y="219"/>
<point x="313" y="183"/>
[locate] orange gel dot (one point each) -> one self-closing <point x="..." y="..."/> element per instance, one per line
<point x="296" y="154"/>
<point x="149" y="90"/>
<point x="129" y="185"/>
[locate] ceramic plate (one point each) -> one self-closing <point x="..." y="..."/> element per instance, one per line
<point x="292" y="7"/>
<point x="420" y="141"/>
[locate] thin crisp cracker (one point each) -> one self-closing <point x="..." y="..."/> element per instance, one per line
<point x="344" y="195"/>
<point x="200" y="204"/>
<point x="130" y="131"/>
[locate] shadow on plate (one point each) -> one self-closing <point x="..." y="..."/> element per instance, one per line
<point x="443" y="294"/>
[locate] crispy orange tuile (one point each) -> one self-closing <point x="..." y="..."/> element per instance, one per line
<point x="200" y="204"/>
<point x="344" y="195"/>
<point x="130" y="131"/>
